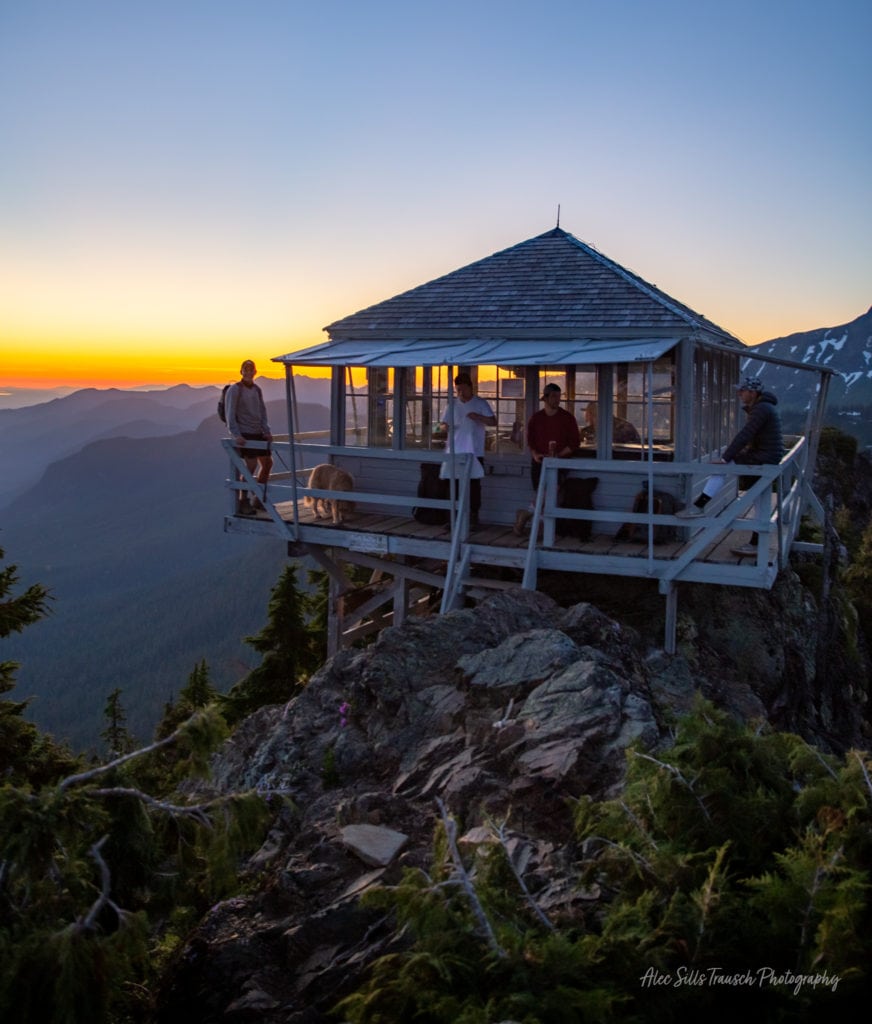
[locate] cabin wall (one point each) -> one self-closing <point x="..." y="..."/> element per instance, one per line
<point x="506" y="486"/>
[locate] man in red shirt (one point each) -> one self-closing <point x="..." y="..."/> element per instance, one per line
<point x="552" y="432"/>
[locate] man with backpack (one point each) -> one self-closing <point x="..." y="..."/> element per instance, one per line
<point x="245" y="413"/>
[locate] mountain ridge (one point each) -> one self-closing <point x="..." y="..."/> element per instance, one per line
<point x="128" y="535"/>
<point x="846" y="348"/>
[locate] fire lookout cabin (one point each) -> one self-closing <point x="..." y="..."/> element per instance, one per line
<point x="551" y="309"/>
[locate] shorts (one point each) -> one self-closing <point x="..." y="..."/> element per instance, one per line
<point x="254" y="453"/>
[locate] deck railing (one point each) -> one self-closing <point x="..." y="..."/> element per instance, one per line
<point x="726" y="513"/>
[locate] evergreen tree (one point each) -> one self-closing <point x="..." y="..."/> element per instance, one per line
<point x="289" y="656"/>
<point x="87" y="855"/>
<point x="118" y="739"/>
<point x="26" y="756"/>
<point x="199" y="691"/>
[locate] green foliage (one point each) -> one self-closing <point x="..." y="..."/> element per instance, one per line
<point x="26" y="756"/>
<point x="858" y="582"/>
<point x="290" y="652"/>
<point x="837" y="444"/>
<point x="735" y="851"/>
<point x="118" y="739"/>
<point x="77" y="916"/>
<point x="197" y="693"/>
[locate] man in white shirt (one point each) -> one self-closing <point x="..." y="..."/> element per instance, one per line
<point x="467" y="433"/>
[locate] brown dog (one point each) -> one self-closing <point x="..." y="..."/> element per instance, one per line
<point x="330" y="478"/>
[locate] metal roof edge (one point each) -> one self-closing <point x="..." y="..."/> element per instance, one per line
<point x="748" y="353"/>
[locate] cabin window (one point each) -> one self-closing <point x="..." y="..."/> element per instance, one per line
<point x="628" y="394"/>
<point x="369" y="406"/>
<point x="503" y="387"/>
<point x="425" y="395"/>
<point x="418" y="416"/>
<point x="635" y="394"/>
<point x="714" y="400"/>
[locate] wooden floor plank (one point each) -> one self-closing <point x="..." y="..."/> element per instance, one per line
<point x="502" y="535"/>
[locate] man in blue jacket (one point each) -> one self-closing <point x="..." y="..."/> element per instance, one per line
<point x="759" y="443"/>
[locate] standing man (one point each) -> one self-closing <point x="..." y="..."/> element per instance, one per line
<point x="467" y="434"/>
<point x="552" y="432"/>
<point x="246" y="421"/>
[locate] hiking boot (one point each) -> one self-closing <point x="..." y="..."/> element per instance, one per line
<point x="691" y="512"/>
<point x="522" y="517"/>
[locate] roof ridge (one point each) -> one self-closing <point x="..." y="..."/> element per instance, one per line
<point x="651" y="290"/>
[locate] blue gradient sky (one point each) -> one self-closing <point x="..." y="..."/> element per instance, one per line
<point x="185" y="183"/>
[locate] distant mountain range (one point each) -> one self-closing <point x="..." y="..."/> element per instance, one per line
<point x="847" y="349"/>
<point x="127" y="533"/>
<point x="36" y="435"/>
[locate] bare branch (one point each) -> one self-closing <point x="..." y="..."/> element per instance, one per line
<point x="500" y="833"/>
<point x="93" y="773"/>
<point x="676" y="774"/>
<point x="637" y="857"/>
<point x="89" y="921"/>
<point x="863" y="769"/>
<point x="466" y="883"/>
<point x="196" y="811"/>
<point x="637" y="823"/>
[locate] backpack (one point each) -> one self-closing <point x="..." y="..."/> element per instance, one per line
<point x="431" y="486"/>
<point x="664" y="504"/>
<point x="222" y="401"/>
<point x="576" y="492"/>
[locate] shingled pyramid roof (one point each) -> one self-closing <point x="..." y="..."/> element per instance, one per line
<point x="551" y="283"/>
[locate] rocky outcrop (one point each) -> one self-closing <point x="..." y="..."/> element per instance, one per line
<point x="503" y="713"/>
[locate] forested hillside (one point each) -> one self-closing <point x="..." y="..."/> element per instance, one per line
<point x="127" y="535"/>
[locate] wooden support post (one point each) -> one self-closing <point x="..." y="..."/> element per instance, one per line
<point x="401" y="600"/>
<point x="671" y="618"/>
<point x="335" y="616"/>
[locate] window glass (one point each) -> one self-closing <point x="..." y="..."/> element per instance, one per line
<point x="381" y="406"/>
<point x="715" y="408"/>
<point x="356" y="405"/>
<point x="418" y="420"/>
<point x="369" y="406"/>
<point x="635" y="395"/>
<point x="503" y="388"/>
<point x="578" y="385"/>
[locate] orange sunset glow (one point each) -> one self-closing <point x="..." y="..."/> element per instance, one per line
<point x="186" y="186"/>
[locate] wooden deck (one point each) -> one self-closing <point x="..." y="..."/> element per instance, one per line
<point x="495" y="536"/>
<point x="416" y="566"/>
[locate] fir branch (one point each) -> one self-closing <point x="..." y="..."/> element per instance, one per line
<point x="820" y="873"/>
<point x="500" y="834"/>
<point x="465" y="882"/>
<point x="637" y="823"/>
<point x="637" y="857"/>
<point x="676" y="774"/>
<point x="863" y="769"/>
<point x="832" y="772"/>
<point x="708" y="897"/>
